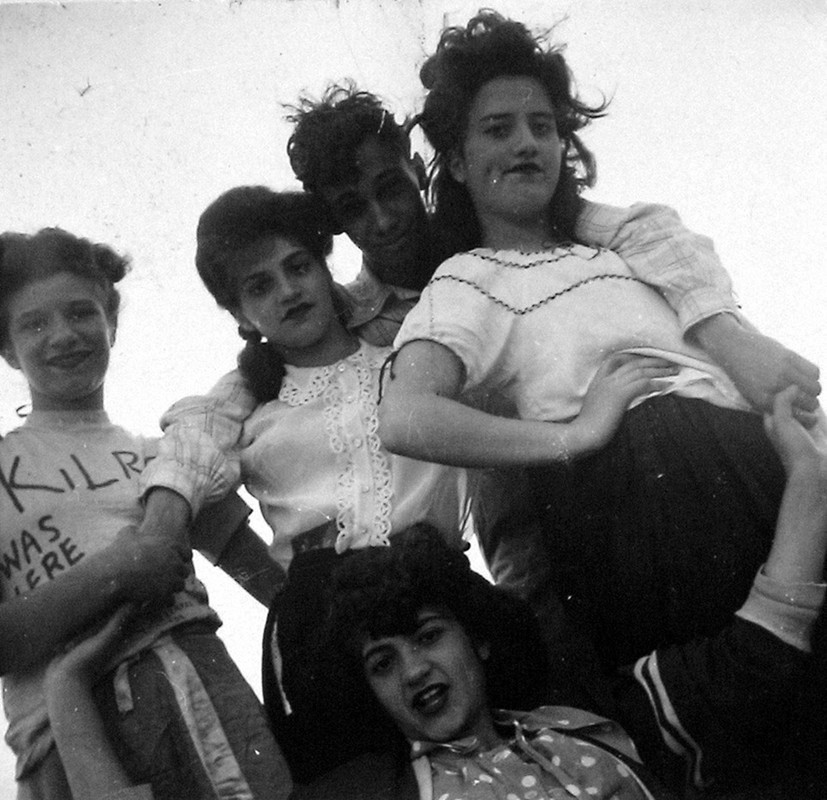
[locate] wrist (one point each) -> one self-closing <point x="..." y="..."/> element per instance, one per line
<point x="808" y="480"/>
<point x="715" y="334"/>
<point x="580" y="439"/>
<point x="166" y="510"/>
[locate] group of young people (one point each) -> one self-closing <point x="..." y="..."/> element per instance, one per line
<point x="645" y="471"/>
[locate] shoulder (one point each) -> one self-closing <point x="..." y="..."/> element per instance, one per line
<point x="372" y="776"/>
<point x="480" y="258"/>
<point x="376" y="355"/>
<point x="598" y="219"/>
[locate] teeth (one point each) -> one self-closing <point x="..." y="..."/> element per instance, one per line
<point x="426" y="696"/>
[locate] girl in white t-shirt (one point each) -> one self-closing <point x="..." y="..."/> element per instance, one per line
<point x="179" y="713"/>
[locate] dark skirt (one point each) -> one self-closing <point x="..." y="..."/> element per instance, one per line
<point x="656" y="539"/>
<point x="329" y="723"/>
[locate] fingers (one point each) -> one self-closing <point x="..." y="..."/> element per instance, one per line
<point x="782" y="406"/>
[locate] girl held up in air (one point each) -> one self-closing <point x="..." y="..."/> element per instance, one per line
<point x="658" y="507"/>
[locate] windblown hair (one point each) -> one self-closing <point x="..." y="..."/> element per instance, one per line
<point x="26" y="258"/>
<point x="380" y="591"/>
<point x="233" y="232"/>
<point x="322" y="148"/>
<point x="488" y="47"/>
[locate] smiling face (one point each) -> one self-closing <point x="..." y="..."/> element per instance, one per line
<point x="286" y="295"/>
<point x="59" y="336"/>
<point x="431" y="682"/>
<point x="511" y="158"/>
<point x="383" y="213"/>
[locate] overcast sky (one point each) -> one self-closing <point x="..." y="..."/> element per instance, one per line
<point x="122" y="121"/>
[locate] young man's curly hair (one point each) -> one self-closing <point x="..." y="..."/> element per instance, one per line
<point x="328" y="131"/>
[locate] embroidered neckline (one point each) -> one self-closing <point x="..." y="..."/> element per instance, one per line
<point x="523" y="310"/>
<point x="552" y="256"/>
<point x="302" y="385"/>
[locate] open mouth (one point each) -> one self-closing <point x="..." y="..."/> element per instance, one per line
<point x="430" y="700"/>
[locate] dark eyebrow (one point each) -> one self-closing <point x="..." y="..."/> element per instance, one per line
<point x="496" y="117"/>
<point x="300" y="254"/>
<point x="374" y="647"/>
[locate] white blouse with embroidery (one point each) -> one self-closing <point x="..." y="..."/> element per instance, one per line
<point x="314" y="455"/>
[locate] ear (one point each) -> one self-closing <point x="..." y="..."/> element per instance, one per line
<point x="246" y="329"/>
<point x="420" y="171"/>
<point x="9" y="357"/>
<point x="456" y="166"/>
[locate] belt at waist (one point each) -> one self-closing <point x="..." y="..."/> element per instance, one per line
<point x="319" y="538"/>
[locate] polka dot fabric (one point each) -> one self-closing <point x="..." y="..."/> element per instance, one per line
<point x="542" y="763"/>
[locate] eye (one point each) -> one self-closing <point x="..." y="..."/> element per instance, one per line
<point x="32" y="324"/>
<point x="390" y="188"/>
<point x="257" y="286"/>
<point x="301" y="265"/>
<point x="429" y="634"/>
<point x="379" y="664"/>
<point x="496" y="130"/>
<point x="543" y="128"/>
<point x="83" y="312"/>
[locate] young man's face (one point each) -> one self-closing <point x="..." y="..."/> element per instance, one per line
<point x="383" y="213"/>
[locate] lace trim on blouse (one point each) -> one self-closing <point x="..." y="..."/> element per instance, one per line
<point x="323" y="384"/>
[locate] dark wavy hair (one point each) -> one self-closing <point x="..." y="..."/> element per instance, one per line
<point x="26" y="258"/>
<point x="466" y="58"/>
<point x="380" y="591"/>
<point x="328" y="131"/>
<point x="232" y="232"/>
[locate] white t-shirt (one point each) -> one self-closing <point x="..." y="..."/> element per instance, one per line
<point x="531" y="329"/>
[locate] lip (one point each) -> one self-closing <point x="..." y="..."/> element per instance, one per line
<point x="431" y="700"/>
<point x="69" y="360"/>
<point x="297" y="312"/>
<point x="528" y="168"/>
<point x="398" y="242"/>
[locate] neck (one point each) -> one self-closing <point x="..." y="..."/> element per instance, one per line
<point x="91" y="402"/>
<point x="485" y="731"/>
<point x="338" y="344"/>
<point x="504" y="234"/>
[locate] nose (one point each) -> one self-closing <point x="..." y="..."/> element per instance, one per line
<point x="415" y="664"/>
<point x="524" y="139"/>
<point x="287" y="288"/>
<point x="382" y="217"/>
<point x="62" y="332"/>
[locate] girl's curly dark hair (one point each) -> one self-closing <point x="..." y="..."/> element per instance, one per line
<point x="25" y="258"/>
<point x="231" y="233"/>
<point x="379" y="591"/>
<point x="466" y="58"/>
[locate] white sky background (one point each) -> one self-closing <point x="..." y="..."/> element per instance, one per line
<point x="122" y="121"/>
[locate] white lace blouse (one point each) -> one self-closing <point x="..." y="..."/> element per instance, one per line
<point x="313" y="455"/>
